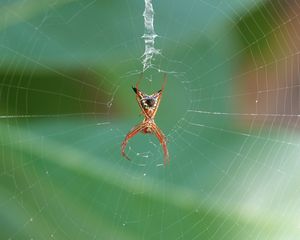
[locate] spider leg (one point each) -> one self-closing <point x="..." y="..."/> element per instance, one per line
<point x="165" y="81"/>
<point x="162" y="139"/>
<point x="140" y="79"/>
<point x="135" y="130"/>
<point x="136" y="88"/>
<point x="163" y="86"/>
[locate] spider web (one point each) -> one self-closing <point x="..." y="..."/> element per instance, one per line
<point x="230" y="112"/>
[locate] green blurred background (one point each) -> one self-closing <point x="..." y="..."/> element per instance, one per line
<point x="230" y="112"/>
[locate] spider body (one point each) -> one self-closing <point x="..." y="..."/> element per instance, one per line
<point x="148" y="126"/>
<point x="149" y="105"/>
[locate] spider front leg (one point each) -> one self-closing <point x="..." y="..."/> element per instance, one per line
<point x="162" y="139"/>
<point x="135" y="130"/>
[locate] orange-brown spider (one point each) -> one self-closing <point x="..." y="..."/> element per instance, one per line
<point x="149" y="105"/>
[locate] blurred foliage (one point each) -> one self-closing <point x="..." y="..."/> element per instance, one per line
<point x="45" y="92"/>
<point x="258" y="28"/>
<point x="63" y="178"/>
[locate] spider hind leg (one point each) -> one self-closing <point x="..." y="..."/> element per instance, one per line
<point x="162" y="139"/>
<point x="135" y="130"/>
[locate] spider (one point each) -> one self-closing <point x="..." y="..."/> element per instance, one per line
<point x="149" y="105"/>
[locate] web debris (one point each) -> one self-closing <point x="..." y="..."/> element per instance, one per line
<point x="149" y="36"/>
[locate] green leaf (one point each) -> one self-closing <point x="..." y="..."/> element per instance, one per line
<point x="72" y="183"/>
<point x="47" y="34"/>
<point x="64" y="178"/>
